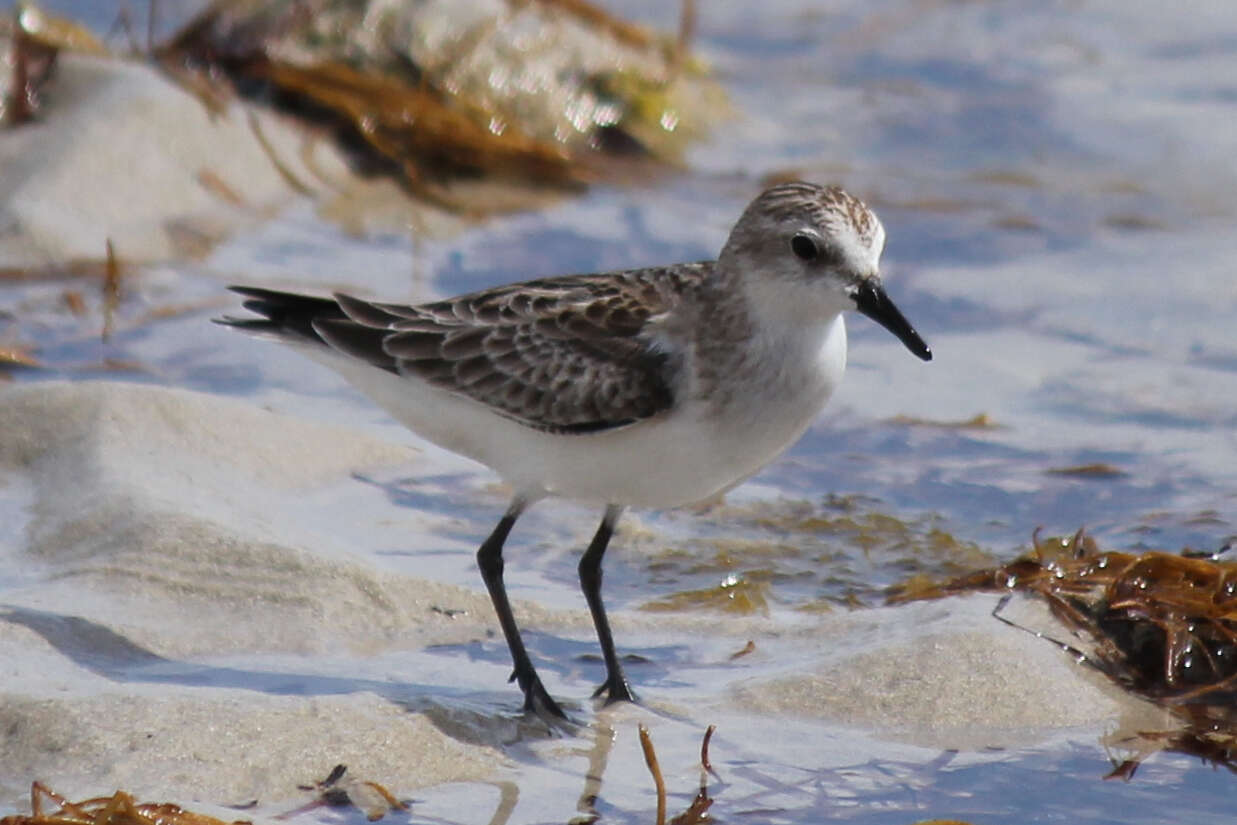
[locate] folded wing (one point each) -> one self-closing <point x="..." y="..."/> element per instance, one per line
<point x="574" y="354"/>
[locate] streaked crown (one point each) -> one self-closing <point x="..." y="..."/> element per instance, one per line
<point x="847" y="236"/>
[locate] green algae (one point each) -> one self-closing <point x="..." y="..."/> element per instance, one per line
<point x="806" y="555"/>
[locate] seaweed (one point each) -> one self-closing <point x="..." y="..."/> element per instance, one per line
<point x="554" y="93"/>
<point x="50" y="808"/>
<point x="1161" y="625"/>
<point x="336" y="791"/>
<point x="696" y="812"/>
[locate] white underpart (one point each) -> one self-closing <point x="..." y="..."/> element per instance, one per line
<point x="690" y="453"/>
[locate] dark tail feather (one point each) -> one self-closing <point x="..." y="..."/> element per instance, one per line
<point x="284" y="314"/>
<point x="307" y="319"/>
<point x="357" y="340"/>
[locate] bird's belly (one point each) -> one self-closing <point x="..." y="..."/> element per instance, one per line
<point x="690" y="455"/>
<point x="687" y="455"/>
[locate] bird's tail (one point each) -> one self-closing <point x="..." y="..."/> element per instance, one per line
<point x="359" y="331"/>
<point x="286" y="316"/>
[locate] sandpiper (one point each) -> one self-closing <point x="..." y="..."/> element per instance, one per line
<point x="651" y="387"/>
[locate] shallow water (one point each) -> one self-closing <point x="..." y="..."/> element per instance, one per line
<point x="1058" y="189"/>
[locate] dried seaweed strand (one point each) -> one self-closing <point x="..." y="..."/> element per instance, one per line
<point x="650" y="759"/>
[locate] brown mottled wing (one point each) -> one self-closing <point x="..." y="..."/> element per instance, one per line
<point x="569" y="354"/>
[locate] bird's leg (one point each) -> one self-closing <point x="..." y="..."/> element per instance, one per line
<point x="490" y="560"/>
<point x="615" y="687"/>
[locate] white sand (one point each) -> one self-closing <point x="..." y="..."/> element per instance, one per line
<point x="149" y="539"/>
<point x="945" y="674"/>
<point x="223" y="747"/>
<point x="118" y="133"/>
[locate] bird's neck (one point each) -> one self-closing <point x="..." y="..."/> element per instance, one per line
<point x="774" y="347"/>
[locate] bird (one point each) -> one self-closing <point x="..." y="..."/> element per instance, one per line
<point x="655" y="387"/>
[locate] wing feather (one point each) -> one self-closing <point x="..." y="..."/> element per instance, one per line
<point x="572" y="354"/>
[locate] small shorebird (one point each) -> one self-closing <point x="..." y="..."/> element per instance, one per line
<point x="649" y="387"/>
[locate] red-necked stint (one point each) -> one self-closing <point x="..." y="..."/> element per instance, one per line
<point x="649" y="387"/>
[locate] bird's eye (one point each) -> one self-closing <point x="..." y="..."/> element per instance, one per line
<point x="805" y="247"/>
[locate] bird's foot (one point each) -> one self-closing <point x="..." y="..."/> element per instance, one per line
<point x="616" y="689"/>
<point x="537" y="699"/>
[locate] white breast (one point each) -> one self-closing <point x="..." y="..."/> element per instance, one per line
<point x="688" y="454"/>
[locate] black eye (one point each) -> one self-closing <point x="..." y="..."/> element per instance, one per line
<point x="804" y="247"/>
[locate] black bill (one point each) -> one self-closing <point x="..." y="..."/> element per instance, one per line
<point x="872" y="301"/>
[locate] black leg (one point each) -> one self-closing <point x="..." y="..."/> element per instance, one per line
<point x="615" y="687"/>
<point x="490" y="560"/>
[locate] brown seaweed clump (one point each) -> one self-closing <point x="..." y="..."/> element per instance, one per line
<point x="50" y="808"/>
<point x="551" y="92"/>
<point x="1162" y="625"/>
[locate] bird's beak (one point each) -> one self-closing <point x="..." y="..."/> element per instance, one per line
<point x="871" y="300"/>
